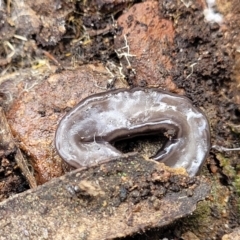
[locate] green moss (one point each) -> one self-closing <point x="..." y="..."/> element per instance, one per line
<point x="232" y="173"/>
<point x="227" y="168"/>
<point x="200" y="219"/>
<point x="236" y="184"/>
<point x="202" y="213"/>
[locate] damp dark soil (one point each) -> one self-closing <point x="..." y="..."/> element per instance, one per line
<point x="200" y="60"/>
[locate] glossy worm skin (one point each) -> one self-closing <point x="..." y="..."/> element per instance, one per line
<point x="86" y="133"/>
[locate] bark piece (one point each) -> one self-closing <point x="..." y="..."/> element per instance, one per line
<point x="106" y="201"/>
<point x="8" y="145"/>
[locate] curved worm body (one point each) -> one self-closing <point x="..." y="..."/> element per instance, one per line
<point x="86" y="133"/>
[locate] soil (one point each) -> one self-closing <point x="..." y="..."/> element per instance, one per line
<point x="72" y="49"/>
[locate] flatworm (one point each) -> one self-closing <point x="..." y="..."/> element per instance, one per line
<point x="86" y="134"/>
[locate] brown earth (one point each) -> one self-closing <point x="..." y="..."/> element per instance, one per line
<point x="52" y="56"/>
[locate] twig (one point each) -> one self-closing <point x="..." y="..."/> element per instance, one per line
<point x="224" y="149"/>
